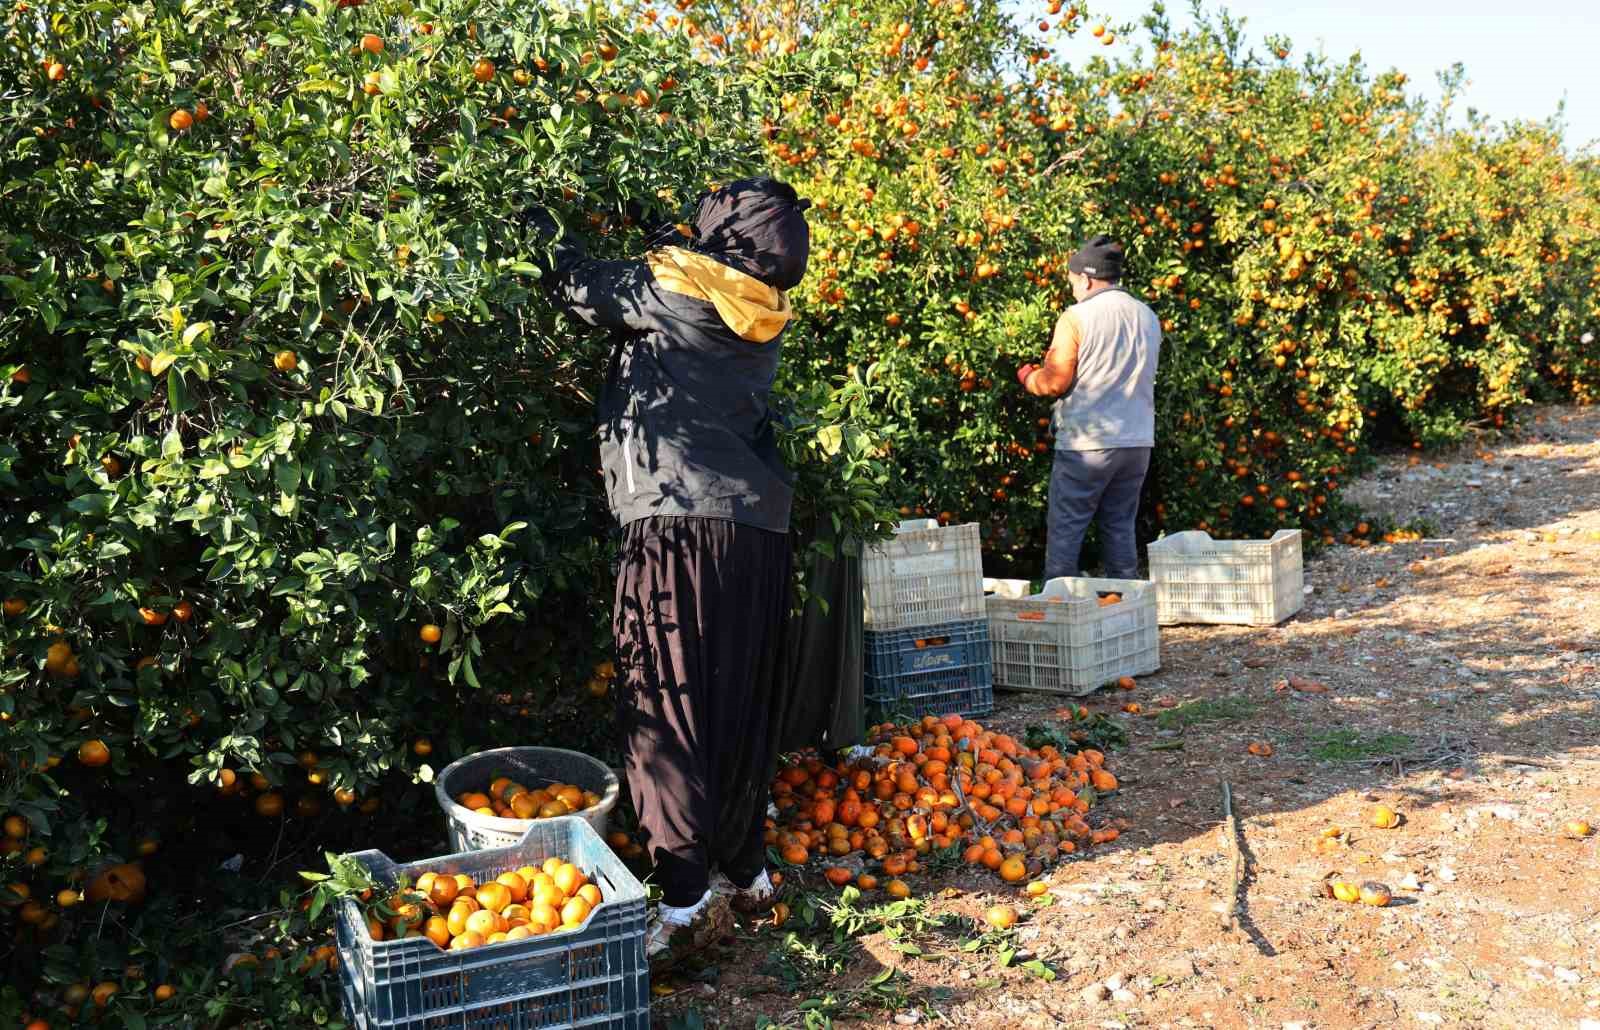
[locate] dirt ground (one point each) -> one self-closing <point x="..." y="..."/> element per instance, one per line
<point x="1463" y="691"/>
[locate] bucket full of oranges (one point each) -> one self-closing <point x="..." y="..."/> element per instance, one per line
<point x="490" y="798"/>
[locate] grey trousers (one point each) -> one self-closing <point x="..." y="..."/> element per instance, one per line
<point x="1090" y="486"/>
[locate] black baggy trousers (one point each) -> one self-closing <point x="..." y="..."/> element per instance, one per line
<point x="700" y="612"/>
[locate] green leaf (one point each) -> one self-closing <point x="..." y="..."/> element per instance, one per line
<point x="177" y="393"/>
<point x="92" y="504"/>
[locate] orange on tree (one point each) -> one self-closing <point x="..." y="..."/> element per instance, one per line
<point x="94" y="753"/>
<point x="57" y="658"/>
<point x="124" y="882"/>
<point x="430" y="633"/>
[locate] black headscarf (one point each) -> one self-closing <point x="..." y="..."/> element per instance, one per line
<point x="755" y="225"/>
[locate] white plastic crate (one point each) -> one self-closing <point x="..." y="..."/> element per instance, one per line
<point x="1236" y="582"/>
<point x="1063" y="641"/>
<point x="925" y="574"/>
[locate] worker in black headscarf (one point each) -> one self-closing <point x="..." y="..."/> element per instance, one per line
<point x="693" y="473"/>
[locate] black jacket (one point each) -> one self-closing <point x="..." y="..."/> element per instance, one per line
<point x="686" y="426"/>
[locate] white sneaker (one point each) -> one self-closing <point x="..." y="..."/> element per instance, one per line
<point x="754" y="898"/>
<point x="678" y="934"/>
<point x="668" y="920"/>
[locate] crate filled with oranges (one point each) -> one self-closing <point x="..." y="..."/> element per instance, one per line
<point x="490" y="797"/>
<point x="1074" y="636"/>
<point x="546" y="933"/>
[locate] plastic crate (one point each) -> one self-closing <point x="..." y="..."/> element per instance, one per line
<point x="1063" y="641"/>
<point x="533" y="767"/>
<point x="1235" y="582"/>
<point x="947" y="645"/>
<point x="925" y="574"/>
<point x="950" y="673"/>
<point x="593" y="976"/>
<point x="970" y="702"/>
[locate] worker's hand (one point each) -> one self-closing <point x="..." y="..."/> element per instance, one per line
<point x="1024" y="372"/>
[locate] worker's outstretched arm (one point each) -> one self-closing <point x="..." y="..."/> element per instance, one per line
<point x="609" y="294"/>
<point x="1060" y="369"/>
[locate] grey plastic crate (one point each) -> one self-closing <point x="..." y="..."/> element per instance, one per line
<point x="533" y="767"/>
<point x="593" y="976"/>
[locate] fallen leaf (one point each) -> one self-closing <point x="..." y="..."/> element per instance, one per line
<point x="1257" y="663"/>
<point x="1303" y="685"/>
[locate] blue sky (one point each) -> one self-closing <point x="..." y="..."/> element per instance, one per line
<point x="1522" y="58"/>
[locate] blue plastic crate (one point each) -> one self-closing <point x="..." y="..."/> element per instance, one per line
<point x="594" y="976"/>
<point x="966" y="701"/>
<point x="938" y="647"/>
<point x="951" y="673"/>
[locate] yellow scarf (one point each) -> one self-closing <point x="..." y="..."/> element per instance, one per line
<point x="752" y="309"/>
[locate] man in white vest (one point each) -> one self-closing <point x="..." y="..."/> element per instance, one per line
<point x="1102" y="367"/>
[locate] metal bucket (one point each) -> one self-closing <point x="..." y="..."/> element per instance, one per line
<point x="533" y="767"/>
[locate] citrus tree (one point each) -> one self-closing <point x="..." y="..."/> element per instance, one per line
<point x="1335" y="265"/>
<point x="301" y="488"/>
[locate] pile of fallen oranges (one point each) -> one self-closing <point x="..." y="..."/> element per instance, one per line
<point x="935" y="785"/>
<point x="457" y="914"/>
<point x="508" y="799"/>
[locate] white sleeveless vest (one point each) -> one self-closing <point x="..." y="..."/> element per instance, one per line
<point x="1112" y="401"/>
